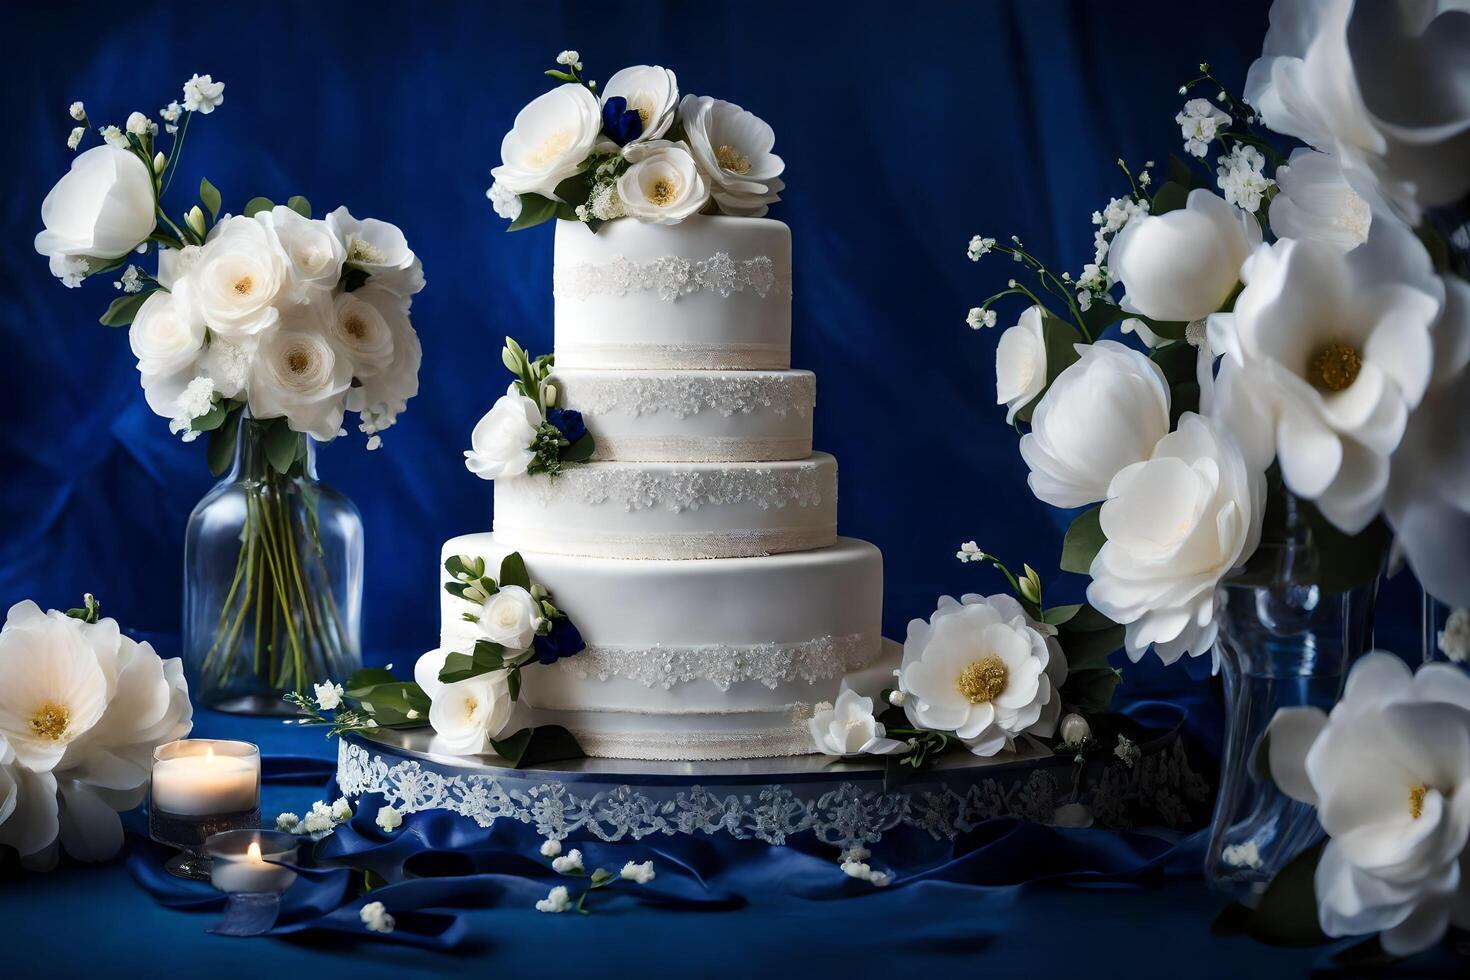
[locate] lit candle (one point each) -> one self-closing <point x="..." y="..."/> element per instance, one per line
<point x="200" y="777"/>
<point x="250" y="861"/>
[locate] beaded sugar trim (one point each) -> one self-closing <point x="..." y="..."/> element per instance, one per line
<point x="730" y="356"/>
<point x="670" y="277"/>
<point x="558" y="540"/>
<point x="684" y="396"/>
<point x="723" y="665"/>
<point x="637" y="488"/>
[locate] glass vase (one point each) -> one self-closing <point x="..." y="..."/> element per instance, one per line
<point x="1284" y="642"/>
<point x="272" y="578"/>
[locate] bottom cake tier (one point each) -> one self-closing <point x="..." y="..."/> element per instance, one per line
<point x="698" y="659"/>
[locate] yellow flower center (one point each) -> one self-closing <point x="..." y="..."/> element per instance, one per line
<point x="551" y="148"/>
<point x="983" y="680"/>
<point x="1416" y="800"/>
<point x="663" y="192"/>
<point x="354" y="327"/>
<point x="297" y="361"/>
<point x="243" y="286"/>
<point x="364" y="252"/>
<point x="732" y="159"/>
<point x="470" y="706"/>
<point x="1335" y="367"/>
<point x="49" y="721"/>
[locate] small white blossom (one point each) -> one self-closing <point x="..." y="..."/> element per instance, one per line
<point x="389" y="819"/>
<point x="131" y="280"/>
<point x="507" y="204"/>
<point x="572" y="59"/>
<point x="316" y="823"/>
<point x="70" y="269"/>
<point x="171" y="112"/>
<point x="1247" y="855"/>
<point x="328" y="695"/>
<point x="77" y="111"/>
<point x="140" y="125"/>
<point x="550" y="848"/>
<point x="376" y="917"/>
<point x="863" y="872"/>
<point x="1127" y="751"/>
<point x="1241" y="178"/>
<point x="897" y="697"/>
<point x="341" y="810"/>
<point x="203" y="94"/>
<point x="1199" y="121"/>
<point x="970" y="551"/>
<point x="556" y="900"/>
<point x="74" y="139"/>
<point x="288" y="822"/>
<point x="979" y="246"/>
<point x="1454" y="639"/>
<point x="979" y="317"/>
<point x="114" y="137"/>
<point x="569" y="863"/>
<point x="374" y="442"/>
<point x="639" y="873"/>
<point x="411" y="714"/>
<point x="1144" y="179"/>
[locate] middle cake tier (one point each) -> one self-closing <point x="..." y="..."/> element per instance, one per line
<point x="672" y="510"/>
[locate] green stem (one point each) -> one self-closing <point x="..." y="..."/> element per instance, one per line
<point x="173" y="153"/>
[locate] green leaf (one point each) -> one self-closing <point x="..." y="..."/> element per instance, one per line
<point x="455" y="566"/>
<point x="560" y="75"/>
<point x="1183" y="398"/>
<point x="456" y="589"/>
<point x="368" y="677"/>
<point x="1177" y="359"/>
<point x="1170" y="196"/>
<point x="1088" y="620"/>
<point x="1101" y="315"/>
<point x="1090" y="691"/>
<point x="209" y="196"/>
<point x="534" y="746"/>
<point x="575" y="190"/>
<point x="122" y="310"/>
<point x="601" y="877"/>
<point x="1083" y="541"/>
<point x="513" y="683"/>
<point x="1091" y="649"/>
<point x="354" y="278"/>
<point x="389" y="704"/>
<point x="458" y="667"/>
<point x="535" y="210"/>
<point x="579" y="451"/>
<point x="1287" y="912"/>
<point x="282" y="445"/>
<point x="1167" y="329"/>
<point x="300" y="205"/>
<point x="256" y="205"/>
<point x="221" y="452"/>
<point x="1182" y="173"/>
<point x="1057" y="615"/>
<point x="211" y="419"/>
<point x="513" y="571"/>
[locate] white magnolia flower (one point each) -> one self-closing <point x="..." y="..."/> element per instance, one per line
<point x="849" y="728"/>
<point x="315" y="253"/>
<point x="1103" y="413"/>
<point x="240" y="276"/>
<point x="375" y="916"/>
<point x="662" y="185"/>
<point x="166" y="336"/>
<point x="328" y="695"/>
<point x="74" y="138"/>
<point x="651" y="91"/>
<point x="467" y="714"/>
<point x="202" y="94"/>
<point x="556" y="900"/>
<point x="53" y="686"/>
<point x="383" y="394"/>
<point x="287" y="822"/>
<point x="101" y="209"/>
<point x="1074" y="730"/>
<point x="1389" y="773"/>
<point x="1175" y="524"/>
<point x="640" y="874"/>
<point x="301" y="375"/>
<point x="734" y="151"/>
<point x="1020" y="363"/>
<point x="569" y="863"/>
<point x="1183" y="265"/>
<point x="501" y="442"/>
<point x="358" y="326"/>
<point x="551" y="137"/>
<point x="550" y="848"/>
<point x="1383" y="86"/>
<point x="1240" y="176"/>
<point x="511" y="617"/>
<point x="78" y="111"/>
<point x="1199" y="122"/>
<point x="380" y="249"/>
<point x="506" y="202"/>
<point x="981" y="668"/>
<point x="1454" y="639"/>
<point x="140" y="125"/>
<point x="1316" y="201"/>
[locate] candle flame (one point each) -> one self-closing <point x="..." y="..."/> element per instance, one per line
<point x="209" y="752"/>
<point x="253" y="851"/>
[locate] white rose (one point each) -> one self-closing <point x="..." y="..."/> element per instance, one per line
<point x="426" y="671"/>
<point x="383" y="395"/>
<point x="501" y="442"/>
<point x="467" y="714"/>
<point x="300" y="374"/>
<point x="101" y="209"/>
<point x="663" y="185"/>
<point x="1316" y="201"/>
<point x="849" y="728"/>
<point x="1383" y="86"/>
<point x="380" y="249"/>
<point x="165" y="337"/>
<point x="1176" y="524"/>
<point x="316" y="254"/>
<point x="733" y="148"/>
<point x="551" y="137"/>
<point x="174" y="264"/>
<point x="359" y="328"/>
<point x="239" y="277"/>
<point x="1389" y="773"/>
<point x="982" y="669"/>
<point x="510" y="617"/>
<point x="1103" y="413"/>
<point x="1020" y="363"/>
<point x="1184" y="264"/>
<point x="652" y="92"/>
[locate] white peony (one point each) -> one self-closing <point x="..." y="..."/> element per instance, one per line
<point x="1175" y="524"/>
<point x="380" y="249"/>
<point x="1020" y="363"/>
<point x="510" y="617"/>
<point x="1184" y="264"/>
<point x="467" y="714"/>
<point x="981" y="668"/>
<point x="1383" y="86"/>
<point x="102" y="208"/>
<point x="651" y="91"/>
<point x="663" y="184"/>
<point x="551" y="137"/>
<point x="359" y="328"/>
<point x="501" y="442"/>
<point x="848" y="727"/>
<point x="316" y="254"/>
<point x="734" y="150"/>
<point x="166" y="336"/>
<point x="300" y="374"/>
<point x="1389" y="773"/>
<point x="381" y="396"/>
<point x="239" y="278"/>
<point x="1103" y="413"/>
<point x="1317" y="202"/>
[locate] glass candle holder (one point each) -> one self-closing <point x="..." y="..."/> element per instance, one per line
<point x="249" y="861"/>
<point x="201" y="787"/>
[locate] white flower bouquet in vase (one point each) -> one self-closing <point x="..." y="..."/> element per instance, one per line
<point x="261" y="329"/>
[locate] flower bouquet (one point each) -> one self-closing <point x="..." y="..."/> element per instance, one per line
<point x="263" y="329"/>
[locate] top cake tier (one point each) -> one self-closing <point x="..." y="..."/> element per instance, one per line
<point x="710" y="293"/>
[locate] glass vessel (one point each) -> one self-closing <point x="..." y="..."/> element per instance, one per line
<point x="1284" y="642"/>
<point x="272" y="578"/>
<point x="199" y="787"/>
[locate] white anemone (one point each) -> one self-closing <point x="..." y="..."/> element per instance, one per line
<point x="551" y="138"/>
<point x="734" y="149"/>
<point x="651" y="91"/>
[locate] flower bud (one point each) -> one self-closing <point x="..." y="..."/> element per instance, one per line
<point x="897" y="697"/>
<point x="551" y="396"/>
<point x="1074" y="730"/>
<point x="194" y="219"/>
<point x="159" y="162"/>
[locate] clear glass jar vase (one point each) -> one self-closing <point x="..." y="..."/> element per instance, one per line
<point x="1284" y="642"/>
<point x="272" y="578"/>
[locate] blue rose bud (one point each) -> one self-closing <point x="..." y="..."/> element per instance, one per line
<point x="568" y="422"/>
<point x="621" y="124"/>
<point x="564" y="640"/>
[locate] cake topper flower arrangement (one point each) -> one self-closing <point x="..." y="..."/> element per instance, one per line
<point x="636" y="149"/>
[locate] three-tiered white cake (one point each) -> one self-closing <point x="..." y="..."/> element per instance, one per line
<point x="698" y="551"/>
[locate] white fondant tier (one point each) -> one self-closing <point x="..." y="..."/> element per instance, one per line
<point x="710" y="293"/>
<point x="693" y="416"/>
<point x="672" y="510"/>
<point x="695" y="659"/>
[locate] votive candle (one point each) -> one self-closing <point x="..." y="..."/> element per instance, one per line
<point x="200" y="777"/>
<point x="250" y="861"/>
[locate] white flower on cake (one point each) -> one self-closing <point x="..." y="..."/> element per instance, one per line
<point x="314" y="252"/>
<point x="649" y="90"/>
<point x="426" y="671"/>
<point x="1389" y="773"/>
<point x="101" y="209"/>
<point x="1020" y="363"/>
<point x="982" y="669"/>
<point x="1317" y="202"/>
<point x="662" y="185"/>
<point x="1183" y="265"/>
<point x="849" y="728"/>
<point x="357" y="325"/>
<point x="734" y="151"/>
<point x="164" y="337"/>
<point x="240" y="276"/>
<point x="1103" y="413"/>
<point x="1175" y="525"/>
<point x="551" y="137"/>
<point x="511" y="618"/>
<point x="380" y="249"/>
<point x="501" y="442"/>
<point x="1199" y="122"/>
<point x="1240" y="177"/>
<point x="299" y="374"/>
<point x="467" y="714"/>
<point x="202" y="94"/>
